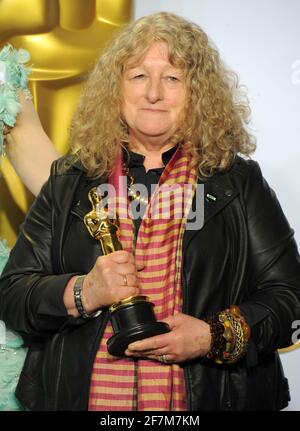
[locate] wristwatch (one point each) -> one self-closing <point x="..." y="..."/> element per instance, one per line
<point x="78" y="300"/>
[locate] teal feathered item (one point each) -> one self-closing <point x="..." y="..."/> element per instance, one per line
<point x="13" y="76"/>
<point x="4" y="253"/>
<point x="12" y="355"/>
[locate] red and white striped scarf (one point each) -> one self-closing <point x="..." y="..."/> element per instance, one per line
<point x="122" y="383"/>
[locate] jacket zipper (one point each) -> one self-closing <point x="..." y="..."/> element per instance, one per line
<point x="228" y="401"/>
<point x="186" y="370"/>
<point x="227" y="392"/>
<point x="58" y="373"/>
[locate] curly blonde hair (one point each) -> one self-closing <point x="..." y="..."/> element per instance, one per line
<point x="217" y="113"/>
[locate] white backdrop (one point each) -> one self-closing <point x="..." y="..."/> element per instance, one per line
<point x="260" y="40"/>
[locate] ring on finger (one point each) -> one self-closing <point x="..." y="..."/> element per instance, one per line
<point x="163" y="358"/>
<point x="125" y="280"/>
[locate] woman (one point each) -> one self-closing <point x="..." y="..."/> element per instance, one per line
<point x="159" y="108"/>
<point x="31" y="153"/>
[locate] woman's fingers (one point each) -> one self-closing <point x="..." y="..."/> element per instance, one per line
<point x="124" y="268"/>
<point x="189" y="338"/>
<point x="150" y="344"/>
<point x="113" y="278"/>
<point x="122" y="256"/>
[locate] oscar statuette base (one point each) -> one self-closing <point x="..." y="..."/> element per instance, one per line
<point x="132" y="321"/>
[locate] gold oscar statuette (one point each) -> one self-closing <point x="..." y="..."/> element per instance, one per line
<point x="132" y="318"/>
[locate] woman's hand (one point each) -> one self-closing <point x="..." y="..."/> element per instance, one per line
<point x="113" y="277"/>
<point x="189" y="338"/>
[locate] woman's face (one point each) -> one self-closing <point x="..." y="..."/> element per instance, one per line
<point x="154" y="95"/>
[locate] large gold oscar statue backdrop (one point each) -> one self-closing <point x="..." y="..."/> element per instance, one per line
<point x="64" y="37"/>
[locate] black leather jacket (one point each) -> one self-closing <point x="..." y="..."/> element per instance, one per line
<point x="245" y="254"/>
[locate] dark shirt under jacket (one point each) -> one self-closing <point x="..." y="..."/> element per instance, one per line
<point x="135" y="163"/>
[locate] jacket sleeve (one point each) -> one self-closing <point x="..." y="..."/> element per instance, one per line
<point x="31" y="295"/>
<point x="273" y="265"/>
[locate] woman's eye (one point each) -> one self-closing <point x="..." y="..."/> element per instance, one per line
<point x="139" y="76"/>
<point x="172" y="78"/>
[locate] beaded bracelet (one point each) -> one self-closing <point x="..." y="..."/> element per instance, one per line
<point x="217" y="339"/>
<point x="230" y="334"/>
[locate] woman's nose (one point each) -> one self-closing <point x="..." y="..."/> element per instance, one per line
<point x="154" y="90"/>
